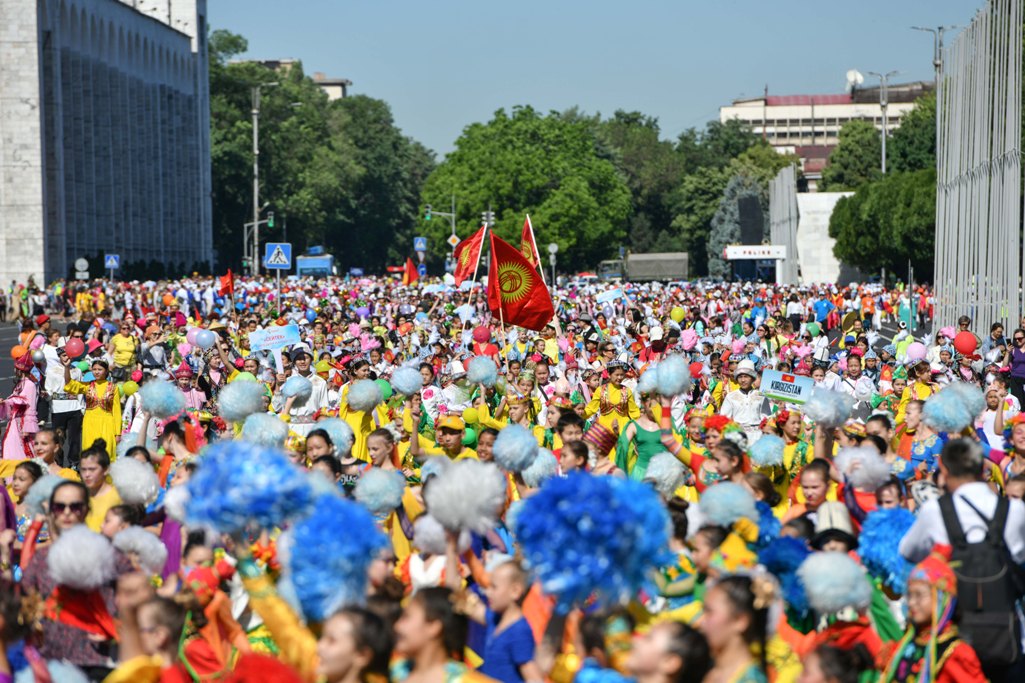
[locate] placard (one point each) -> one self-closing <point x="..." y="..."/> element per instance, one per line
<point x="785" y="386"/>
<point x="275" y="337"/>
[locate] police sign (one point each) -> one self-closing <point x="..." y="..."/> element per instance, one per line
<point x="785" y="386"/>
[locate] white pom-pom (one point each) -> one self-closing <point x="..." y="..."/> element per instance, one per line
<point x="340" y="433"/>
<point x="175" y="501"/>
<point x="380" y="491"/>
<point x="833" y="582"/>
<point x="672" y="376"/>
<point x="666" y="472"/>
<point x="544" y="467"/>
<point x="407" y="381"/>
<point x="37" y="500"/>
<point x="648" y="383"/>
<point x="515" y="448"/>
<point x="265" y="429"/>
<point x="829" y="409"/>
<point x="240" y="399"/>
<point x="364" y="395"/>
<point x="864" y="468"/>
<point x="81" y="559"/>
<point x="136" y="483"/>
<point x="297" y="386"/>
<point x="482" y="370"/>
<point x="467" y="495"/>
<point x="60" y="670"/>
<point x="430" y="537"/>
<point x="150" y="551"/>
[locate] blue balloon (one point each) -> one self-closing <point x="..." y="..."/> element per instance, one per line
<point x="205" y="339"/>
<point x="311" y="314"/>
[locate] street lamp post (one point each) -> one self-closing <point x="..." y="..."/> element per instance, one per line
<point x="937" y="47"/>
<point x="883" y="103"/>
<point x="255" y="265"/>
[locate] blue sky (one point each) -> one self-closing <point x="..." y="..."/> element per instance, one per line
<point x="444" y="64"/>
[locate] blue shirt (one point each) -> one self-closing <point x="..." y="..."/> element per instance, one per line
<point x="507" y="651"/>
<point x="822" y="308"/>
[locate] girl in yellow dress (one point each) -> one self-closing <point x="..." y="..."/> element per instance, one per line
<point x="102" y="405"/>
<point x="613" y="402"/>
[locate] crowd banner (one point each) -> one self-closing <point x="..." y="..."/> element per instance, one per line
<point x="784" y="386"/>
<point x="978" y="254"/>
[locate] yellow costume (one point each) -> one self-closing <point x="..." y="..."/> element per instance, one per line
<point x="613" y="405"/>
<point x="918" y="391"/>
<point x="102" y="413"/>
<point x="98" y="506"/>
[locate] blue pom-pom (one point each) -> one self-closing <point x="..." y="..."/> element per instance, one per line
<point x="240" y="485"/>
<point x="240" y="399"/>
<point x="60" y="670"/>
<point x="953" y="408"/>
<point x="648" y="383"/>
<point x="297" y="386"/>
<point x="364" y="395"/>
<point x="878" y="546"/>
<point x="434" y="466"/>
<point x="768" y="524"/>
<point x="544" y="467"/>
<point x="340" y="433"/>
<point x="672" y="375"/>
<point x="725" y="503"/>
<point x="515" y="448"/>
<point x="482" y="370"/>
<point x="380" y="491"/>
<point x="265" y="429"/>
<point x="782" y="558"/>
<point x="829" y="409"/>
<point x="407" y="381"/>
<point x="767" y="451"/>
<point x="161" y="399"/>
<point x="585" y="536"/>
<point x="833" y="581"/>
<point x="329" y="555"/>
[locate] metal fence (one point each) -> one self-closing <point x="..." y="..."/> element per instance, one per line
<point x="783" y="217"/>
<point x="978" y="260"/>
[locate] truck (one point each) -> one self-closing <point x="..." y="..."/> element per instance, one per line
<point x="663" y="266"/>
<point x="315" y="263"/>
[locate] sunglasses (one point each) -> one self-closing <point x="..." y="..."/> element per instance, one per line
<point x="77" y="508"/>
<point x="1018" y="339"/>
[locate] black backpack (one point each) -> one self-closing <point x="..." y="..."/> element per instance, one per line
<point x="989" y="583"/>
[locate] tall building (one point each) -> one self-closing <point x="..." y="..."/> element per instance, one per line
<point x="809" y="125"/>
<point x="334" y="88"/>
<point x="104" y="135"/>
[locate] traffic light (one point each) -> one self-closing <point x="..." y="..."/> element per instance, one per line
<point x="270" y="219"/>
<point x="427" y="212"/>
<point x="245" y="264"/>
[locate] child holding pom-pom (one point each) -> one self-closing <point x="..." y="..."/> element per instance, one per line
<point x="613" y="403"/>
<point x="102" y="405"/>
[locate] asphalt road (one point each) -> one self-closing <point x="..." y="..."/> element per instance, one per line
<point x="8" y="339"/>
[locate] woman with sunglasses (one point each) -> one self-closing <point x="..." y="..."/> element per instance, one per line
<point x="68" y="507"/>
<point x="1015" y="358"/>
<point x="122" y="348"/>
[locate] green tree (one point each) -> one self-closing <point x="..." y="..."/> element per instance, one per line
<point x="855" y="160"/>
<point x="548" y="166"/>
<point x="912" y="147"/>
<point x="695" y="204"/>
<point x="887" y="222"/>
<point x="726" y="221"/>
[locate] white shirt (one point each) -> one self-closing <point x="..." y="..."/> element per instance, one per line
<point x="858" y="389"/>
<point x="745" y="409"/>
<point x="928" y="529"/>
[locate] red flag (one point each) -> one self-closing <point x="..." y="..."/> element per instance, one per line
<point x="467" y="254"/>
<point x="515" y="290"/>
<point x="528" y="247"/>
<point x="409" y="273"/>
<point x="227" y="284"/>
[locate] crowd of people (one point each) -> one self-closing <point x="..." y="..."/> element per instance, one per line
<point x="359" y="480"/>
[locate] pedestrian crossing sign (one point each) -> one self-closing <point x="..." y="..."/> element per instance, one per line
<point x="278" y="256"/>
<point x="112" y="262"/>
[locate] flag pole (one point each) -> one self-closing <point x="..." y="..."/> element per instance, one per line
<point x="476" y="265"/>
<point x="541" y="269"/>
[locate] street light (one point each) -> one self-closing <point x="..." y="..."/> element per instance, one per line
<point x="937" y="46"/>
<point x="553" y="249"/>
<point x="255" y="263"/>
<point x="883" y="102"/>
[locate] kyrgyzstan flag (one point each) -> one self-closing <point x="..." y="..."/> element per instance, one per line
<point x="528" y="247"/>
<point x="409" y="273"/>
<point x="467" y="254"/>
<point x="227" y="283"/>
<point x="516" y="292"/>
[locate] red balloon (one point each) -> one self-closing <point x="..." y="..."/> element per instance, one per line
<point x="74" y="348"/>
<point x="965" y="343"/>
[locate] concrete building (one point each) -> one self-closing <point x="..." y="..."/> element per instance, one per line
<point x="104" y="134"/>
<point x="334" y="88"/>
<point x="809" y="125"/>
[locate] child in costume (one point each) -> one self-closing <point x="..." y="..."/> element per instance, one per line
<point x="614" y="403"/>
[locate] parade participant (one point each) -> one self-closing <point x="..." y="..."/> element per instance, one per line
<point x="19" y="409"/>
<point x="735" y="622"/>
<point x="102" y="419"/>
<point x="194" y="398"/>
<point x="301" y="414"/>
<point x="102" y="495"/>
<point x="640" y="440"/>
<point x="746" y="405"/>
<point x="613" y="403"/>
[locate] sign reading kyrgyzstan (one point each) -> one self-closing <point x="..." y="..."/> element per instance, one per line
<point x="784" y="386"/>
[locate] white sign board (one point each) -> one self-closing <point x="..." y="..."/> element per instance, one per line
<point x="610" y="295"/>
<point x="745" y="252"/>
<point x="274" y="337"/>
<point x="785" y="386"/>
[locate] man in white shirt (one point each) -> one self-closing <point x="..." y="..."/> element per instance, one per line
<point x="746" y="405"/>
<point x="66" y="410"/>
<point x="302" y="412"/>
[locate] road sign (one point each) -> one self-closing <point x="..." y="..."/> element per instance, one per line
<point x="278" y="256"/>
<point x="786" y="387"/>
<point x="421" y="270"/>
<point x="419" y="244"/>
<point x="356" y="272"/>
<point x="748" y="252"/>
<point x="111" y="261"/>
<point x="81" y="264"/>
<point x="421" y="255"/>
<point x="82" y="275"/>
<point x="452" y="240"/>
<point x="553" y="248"/>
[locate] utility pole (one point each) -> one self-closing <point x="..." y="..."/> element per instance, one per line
<point x="256" y="175"/>
<point x="883" y="103"/>
<point x="937" y="47"/>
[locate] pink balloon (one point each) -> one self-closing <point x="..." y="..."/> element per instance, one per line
<point x="190" y="336"/>
<point x="37" y="342"/>
<point x="689" y="338"/>
<point x="184" y="348"/>
<point x="916" y="351"/>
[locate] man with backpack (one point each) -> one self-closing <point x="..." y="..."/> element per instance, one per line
<point x="987" y="535"/>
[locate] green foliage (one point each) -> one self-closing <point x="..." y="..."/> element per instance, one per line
<point x="912" y="147"/>
<point x="527" y="163"/>
<point x="726" y="221"/>
<point x="696" y="202"/>
<point x="885" y="223"/>
<point x="335" y="173"/>
<point x="855" y="160"/>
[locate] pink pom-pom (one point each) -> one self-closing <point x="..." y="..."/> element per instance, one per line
<point x="689" y="339"/>
<point x="738" y="346"/>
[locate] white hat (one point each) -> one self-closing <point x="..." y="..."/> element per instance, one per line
<point x="456" y="369"/>
<point x="655" y="333"/>
<point x="746" y="367"/>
